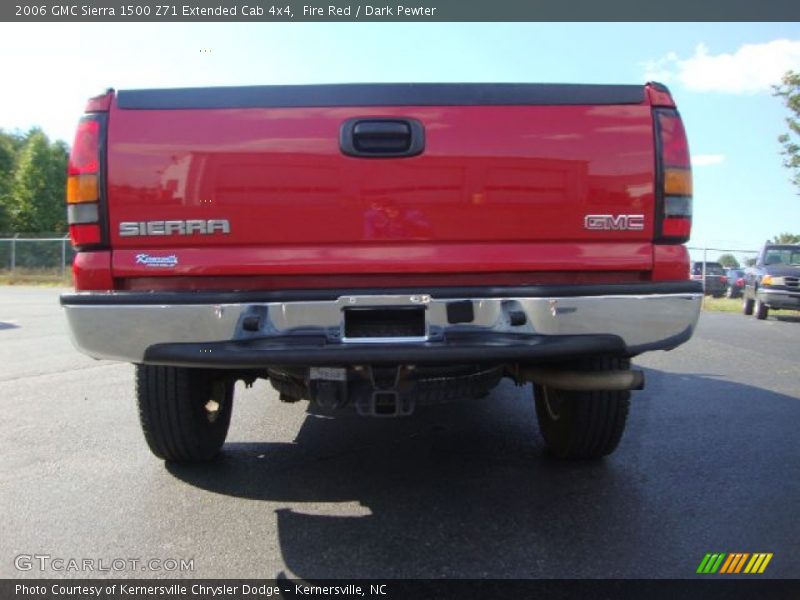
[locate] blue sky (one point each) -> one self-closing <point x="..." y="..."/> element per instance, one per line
<point x="719" y="74"/>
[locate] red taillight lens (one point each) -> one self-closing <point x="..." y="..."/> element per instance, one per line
<point x="740" y="282"/>
<point x="84" y="156"/>
<point x="84" y="189"/>
<point x="85" y="235"/>
<point x="674" y="193"/>
<point x="675" y="227"/>
<point x="723" y="279"/>
<point x="674" y="147"/>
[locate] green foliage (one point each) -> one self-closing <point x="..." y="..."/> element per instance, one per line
<point x="7" y="160"/>
<point x="750" y="262"/>
<point x="32" y="183"/>
<point x="728" y="261"/>
<point x="789" y="90"/>
<point x="786" y="238"/>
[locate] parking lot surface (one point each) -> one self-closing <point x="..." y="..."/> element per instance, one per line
<point x="709" y="463"/>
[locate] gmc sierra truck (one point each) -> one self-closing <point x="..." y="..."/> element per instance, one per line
<point x="381" y="247"/>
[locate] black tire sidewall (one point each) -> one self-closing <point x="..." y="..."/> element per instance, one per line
<point x="761" y="310"/>
<point x="211" y="435"/>
<point x="175" y="422"/>
<point x="589" y="424"/>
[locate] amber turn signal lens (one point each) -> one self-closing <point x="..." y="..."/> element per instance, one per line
<point x="82" y="188"/>
<point x="678" y="182"/>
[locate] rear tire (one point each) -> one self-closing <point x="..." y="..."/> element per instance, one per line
<point x="761" y="310"/>
<point x="581" y="425"/>
<point x="184" y="413"/>
<point x="747" y="306"/>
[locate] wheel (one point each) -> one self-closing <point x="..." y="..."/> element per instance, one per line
<point x="583" y="424"/>
<point x="761" y="310"/>
<point x="747" y="306"/>
<point x="184" y="412"/>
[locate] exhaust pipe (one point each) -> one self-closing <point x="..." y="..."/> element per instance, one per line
<point x="584" y="381"/>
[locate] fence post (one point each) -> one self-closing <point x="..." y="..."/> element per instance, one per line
<point x="14" y="252"/>
<point x="705" y="259"/>
<point x="63" y="257"/>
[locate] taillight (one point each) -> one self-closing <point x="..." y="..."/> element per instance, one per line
<point x="674" y="178"/>
<point x="740" y="282"/>
<point x="723" y="279"/>
<point x="85" y="193"/>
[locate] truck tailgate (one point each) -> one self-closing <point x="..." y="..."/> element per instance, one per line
<point x="499" y="186"/>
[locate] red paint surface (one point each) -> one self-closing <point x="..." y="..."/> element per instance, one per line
<point x="387" y="282"/>
<point x="670" y="263"/>
<point x="497" y="188"/>
<point x="387" y="258"/>
<point x="92" y="271"/>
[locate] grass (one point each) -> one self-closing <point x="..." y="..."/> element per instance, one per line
<point x="722" y="304"/>
<point x="734" y="305"/>
<point x="41" y="277"/>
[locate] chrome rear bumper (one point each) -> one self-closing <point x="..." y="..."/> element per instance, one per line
<point x="227" y="330"/>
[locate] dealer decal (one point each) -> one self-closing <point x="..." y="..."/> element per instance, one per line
<point x="157" y="261"/>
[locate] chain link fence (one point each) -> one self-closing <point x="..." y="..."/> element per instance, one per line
<point x="49" y="256"/>
<point x="707" y="255"/>
<point x="41" y="256"/>
<point x="712" y="254"/>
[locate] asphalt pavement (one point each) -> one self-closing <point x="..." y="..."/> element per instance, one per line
<point x="709" y="463"/>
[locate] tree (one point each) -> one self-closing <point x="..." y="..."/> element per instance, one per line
<point x="789" y="90"/>
<point x="728" y="261"/>
<point x="7" y="163"/>
<point x="38" y="187"/>
<point x="750" y="262"/>
<point x="786" y="238"/>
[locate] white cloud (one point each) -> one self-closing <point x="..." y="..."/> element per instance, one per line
<point x="661" y="69"/>
<point x="751" y="69"/>
<point x="702" y="160"/>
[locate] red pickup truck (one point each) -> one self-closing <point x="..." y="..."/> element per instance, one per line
<point x="381" y="247"/>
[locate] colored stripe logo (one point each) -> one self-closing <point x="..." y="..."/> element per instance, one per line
<point x="732" y="563"/>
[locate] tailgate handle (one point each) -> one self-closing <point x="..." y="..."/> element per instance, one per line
<point x="382" y="138"/>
